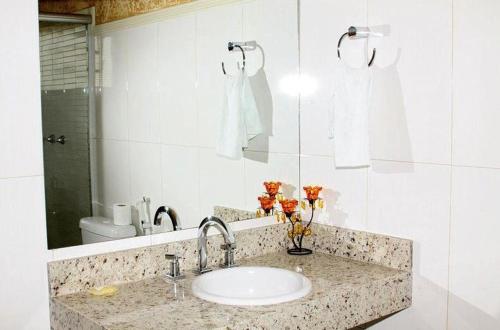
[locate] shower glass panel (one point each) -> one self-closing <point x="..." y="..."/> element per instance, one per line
<point x="64" y="60"/>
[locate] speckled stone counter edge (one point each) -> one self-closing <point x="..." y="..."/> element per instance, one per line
<point x="358" y="305"/>
<point x="75" y="275"/>
<point x="373" y="248"/>
<point x="231" y="215"/>
<point x="62" y="317"/>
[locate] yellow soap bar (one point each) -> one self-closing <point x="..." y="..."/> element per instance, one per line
<point x="105" y="291"/>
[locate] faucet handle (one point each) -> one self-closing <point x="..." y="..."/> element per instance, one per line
<point x="228" y="255"/>
<point x="175" y="271"/>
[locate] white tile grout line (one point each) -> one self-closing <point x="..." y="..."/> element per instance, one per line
<point x="21" y="177"/>
<point x="367" y="196"/>
<point x="415" y="162"/>
<point x="450" y="210"/>
<point x="244" y="160"/>
<point x="197" y="108"/>
<point x="299" y="104"/>
<point x="191" y="146"/>
<point x="162" y="177"/>
<point x="367" y="171"/>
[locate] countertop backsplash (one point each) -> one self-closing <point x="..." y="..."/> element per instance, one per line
<point x="80" y="274"/>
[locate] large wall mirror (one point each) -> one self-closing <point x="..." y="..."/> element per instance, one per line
<point x="134" y="111"/>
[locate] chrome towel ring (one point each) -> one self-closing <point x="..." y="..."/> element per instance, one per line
<point x="230" y="47"/>
<point x="355" y="33"/>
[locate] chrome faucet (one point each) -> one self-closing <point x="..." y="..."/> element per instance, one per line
<point x="171" y="214"/>
<point x="229" y="242"/>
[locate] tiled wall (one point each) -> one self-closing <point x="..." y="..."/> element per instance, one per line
<point x="24" y="297"/>
<point x="435" y="169"/>
<point x="158" y="106"/>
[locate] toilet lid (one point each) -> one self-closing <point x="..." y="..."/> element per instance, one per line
<point x="105" y="227"/>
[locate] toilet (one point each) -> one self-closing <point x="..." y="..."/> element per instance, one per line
<point x="100" y="229"/>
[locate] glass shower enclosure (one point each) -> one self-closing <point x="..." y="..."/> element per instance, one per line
<point x="65" y="94"/>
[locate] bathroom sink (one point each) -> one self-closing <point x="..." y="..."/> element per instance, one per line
<point x="251" y="286"/>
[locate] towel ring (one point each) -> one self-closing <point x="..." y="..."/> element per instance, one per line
<point x="351" y="33"/>
<point x="231" y="47"/>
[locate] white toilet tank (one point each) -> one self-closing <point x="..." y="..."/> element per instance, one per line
<point x="100" y="229"/>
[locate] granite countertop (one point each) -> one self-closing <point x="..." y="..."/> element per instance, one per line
<point x="345" y="293"/>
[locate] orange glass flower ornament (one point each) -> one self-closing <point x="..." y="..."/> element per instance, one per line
<point x="312" y="193"/>
<point x="266" y="203"/>
<point x="272" y="187"/>
<point x="289" y="206"/>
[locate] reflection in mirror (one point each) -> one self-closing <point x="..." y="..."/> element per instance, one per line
<point x="144" y="151"/>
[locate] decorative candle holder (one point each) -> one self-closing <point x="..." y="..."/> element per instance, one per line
<point x="289" y="213"/>
<point x="298" y="230"/>
<point x="269" y="198"/>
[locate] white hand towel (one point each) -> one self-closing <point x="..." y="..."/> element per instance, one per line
<point x="240" y="120"/>
<point x="348" y="118"/>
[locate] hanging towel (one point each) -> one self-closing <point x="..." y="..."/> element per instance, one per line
<point x="348" y="118"/>
<point x="240" y="120"/>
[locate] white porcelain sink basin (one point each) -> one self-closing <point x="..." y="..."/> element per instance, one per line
<point x="251" y="286"/>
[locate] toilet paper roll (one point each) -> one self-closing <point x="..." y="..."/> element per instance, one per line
<point x="122" y="214"/>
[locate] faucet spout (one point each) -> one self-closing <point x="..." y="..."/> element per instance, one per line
<point x="229" y="241"/>
<point x="171" y="214"/>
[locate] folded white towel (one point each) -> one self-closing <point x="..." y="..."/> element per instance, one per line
<point x="348" y="118"/>
<point x="240" y="120"/>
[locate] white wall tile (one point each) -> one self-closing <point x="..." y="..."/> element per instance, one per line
<point x="145" y="173"/>
<point x="21" y="138"/>
<point x="344" y="190"/>
<point x="322" y="23"/>
<point x="424" y="67"/>
<point x="319" y="34"/>
<point x="20" y="115"/>
<point x="221" y="182"/>
<point x="24" y="298"/>
<point x="113" y="174"/>
<point x="474" y="299"/>
<point x="476" y="106"/>
<point x="142" y="77"/>
<point x="111" y="113"/>
<point x="389" y="128"/>
<point x="261" y="167"/>
<point x="413" y="201"/>
<point x="111" y="98"/>
<point x="314" y="129"/>
<point x="177" y="78"/>
<point x="113" y="59"/>
<point x="215" y="28"/>
<point x="180" y="183"/>
<point x="268" y="68"/>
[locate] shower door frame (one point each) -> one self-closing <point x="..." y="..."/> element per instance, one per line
<point x="89" y="21"/>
